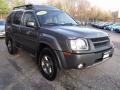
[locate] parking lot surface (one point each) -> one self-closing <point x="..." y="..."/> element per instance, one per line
<point x="20" y="72"/>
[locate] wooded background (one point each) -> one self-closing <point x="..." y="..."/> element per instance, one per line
<point x="78" y="9"/>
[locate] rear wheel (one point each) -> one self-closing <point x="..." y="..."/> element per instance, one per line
<point x="12" y="49"/>
<point x="48" y="65"/>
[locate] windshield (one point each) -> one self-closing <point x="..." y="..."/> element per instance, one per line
<point x="54" y="18"/>
<point x="1" y="22"/>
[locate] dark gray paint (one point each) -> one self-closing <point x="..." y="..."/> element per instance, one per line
<point x="57" y="37"/>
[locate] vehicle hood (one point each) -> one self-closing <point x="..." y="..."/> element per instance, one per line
<point x="2" y="28"/>
<point x="74" y="32"/>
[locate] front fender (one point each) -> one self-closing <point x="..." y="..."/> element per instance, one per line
<point x="54" y="44"/>
<point x="51" y="41"/>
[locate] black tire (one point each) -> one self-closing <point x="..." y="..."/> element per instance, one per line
<point x="48" y="60"/>
<point x="11" y="46"/>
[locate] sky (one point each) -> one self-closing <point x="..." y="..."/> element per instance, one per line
<point x="113" y="5"/>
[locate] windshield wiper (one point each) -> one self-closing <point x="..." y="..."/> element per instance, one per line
<point x="54" y="24"/>
<point x="71" y="24"/>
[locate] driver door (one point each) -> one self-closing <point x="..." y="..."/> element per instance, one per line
<point x="28" y="33"/>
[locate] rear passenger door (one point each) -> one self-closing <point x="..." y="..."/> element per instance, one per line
<point x="16" y="26"/>
<point x="29" y="34"/>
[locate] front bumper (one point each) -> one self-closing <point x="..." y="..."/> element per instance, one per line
<point x="74" y="60"/>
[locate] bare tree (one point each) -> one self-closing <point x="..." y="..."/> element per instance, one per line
<point x="82" y="10"/>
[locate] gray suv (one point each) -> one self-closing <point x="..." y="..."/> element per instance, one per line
<point x="55" y="39"/>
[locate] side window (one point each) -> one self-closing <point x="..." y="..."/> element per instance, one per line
<point x="9" y="19"/>
<point x="17" y="17"/>
<point x="28" y="17"/>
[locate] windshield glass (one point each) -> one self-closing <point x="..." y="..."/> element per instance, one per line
<point x="47" y="18"/>
<point x="1" y="22"/>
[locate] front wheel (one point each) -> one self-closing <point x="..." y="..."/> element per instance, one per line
<point x="48" y="65"/>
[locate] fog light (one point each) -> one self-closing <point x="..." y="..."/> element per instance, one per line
<point x="80" y="66"/>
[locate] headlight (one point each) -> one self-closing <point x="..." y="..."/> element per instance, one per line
<point x="79" y="44"/>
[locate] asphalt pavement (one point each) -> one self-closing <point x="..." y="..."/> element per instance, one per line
<point x="20" y="72"/>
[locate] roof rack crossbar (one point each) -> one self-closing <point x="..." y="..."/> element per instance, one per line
<point x="30" y="6"/>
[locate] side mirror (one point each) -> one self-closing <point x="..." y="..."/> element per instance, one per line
<point x="30" y="24"/>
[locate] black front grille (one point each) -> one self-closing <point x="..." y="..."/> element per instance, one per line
<point x="100" y="42"/>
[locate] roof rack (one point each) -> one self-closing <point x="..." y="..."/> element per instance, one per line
<point x="34" y="7"/>
<point x="26" y="7"/>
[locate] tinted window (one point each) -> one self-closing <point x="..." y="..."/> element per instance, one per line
<point x="17" y="17"/>
<point x="28" y="17"/>
<point x="9" y="18"/>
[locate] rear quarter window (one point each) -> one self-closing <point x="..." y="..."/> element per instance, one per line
<point x="9" y="18"/>
<point x="17" y="17"/>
